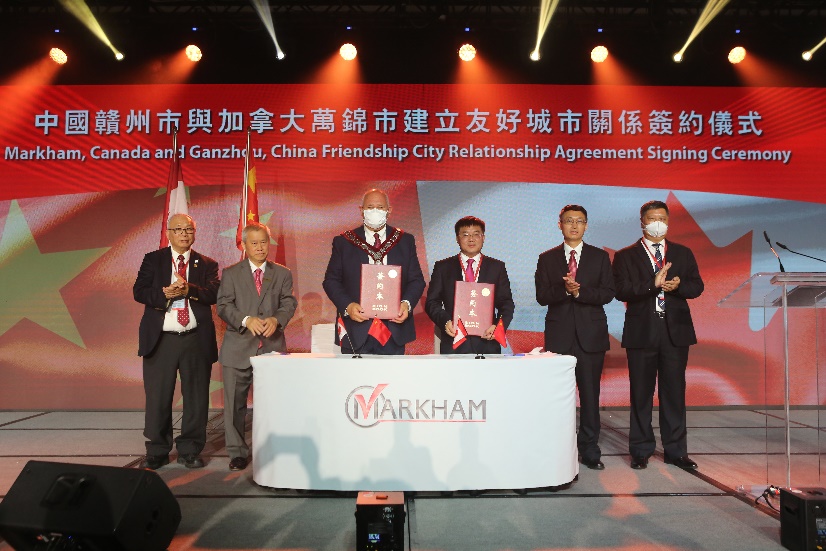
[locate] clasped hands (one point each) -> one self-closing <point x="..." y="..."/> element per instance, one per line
<point x="265" y="327"/>
<point x="357" y="313"/>
<point x="178" y="289"/>
<point x="661" y="281"/>
<point x="571" y="286"/>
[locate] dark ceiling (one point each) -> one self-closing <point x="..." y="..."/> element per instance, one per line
<point x="416" y="41"/>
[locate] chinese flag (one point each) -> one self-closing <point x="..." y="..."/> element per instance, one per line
<point x="175" y="197"/>
<point x="499" y="334"/>
<point x="379" y="331"/>
<point x="249" y="199"/>
<point x="461" y="334"/>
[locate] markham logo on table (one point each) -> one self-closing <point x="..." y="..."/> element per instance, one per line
<point x="367" y="406"/>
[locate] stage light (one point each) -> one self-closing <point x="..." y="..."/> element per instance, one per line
<point x="119" y="56"/>
<point x="58" y="56"/>
<point x="736" y="55"/>
<point x="678" y="57"/>
<point x="193" y="53"/>
<point x="710" y="11"/>
<point x="467" y="52"/>
<point x="280" y="55"/>
<point x="262" y="8"/>
<point x="348" y="52"/>
<point x="467" y="29"/>
<point x="81" y="11"/>
<point x="535" y="55"/>
<point x="807" y="55"/>
<point x="599" y="54"/>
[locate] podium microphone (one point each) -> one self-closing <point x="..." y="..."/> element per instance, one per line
<point x="782" y="269"/>
<point x="782" y="246"/>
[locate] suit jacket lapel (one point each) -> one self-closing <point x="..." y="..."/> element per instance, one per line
<point x="247" y="278"/>
<point x="562" y="261"/>
<point x="643" y="254"/>
<point x="166" y="268"/>
<point x="484" y="275"/>
<point x="269" y="279"/>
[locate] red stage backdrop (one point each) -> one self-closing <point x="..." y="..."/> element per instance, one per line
<point x="84" y="169"/>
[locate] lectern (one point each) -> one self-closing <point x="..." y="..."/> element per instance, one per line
<point x="772" y="291"/>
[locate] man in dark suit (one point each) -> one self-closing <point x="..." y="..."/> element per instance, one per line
<point x="470" y="235"/>
<point x="656" y="278"/>
<point x="574" y="281"/>
<point x="256" y="301"/>
<point x="373" y="243"/>
<point x="178" y="287"/>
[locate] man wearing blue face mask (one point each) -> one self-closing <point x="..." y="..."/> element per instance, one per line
<point x="656" y="278"/>
<point x="374" y="242"/>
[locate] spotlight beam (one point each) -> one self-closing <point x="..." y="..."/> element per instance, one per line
<point x="262" y="8"/>
<point x="546" y="12"/>
<point x="81" y="11"/>
<point x="710" y="11"/>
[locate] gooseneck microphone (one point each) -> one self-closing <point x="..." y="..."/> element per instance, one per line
<point x="766" y="235"/>
<point x="782" y="246"/>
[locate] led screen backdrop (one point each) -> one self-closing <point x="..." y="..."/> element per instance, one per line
<point x="84" y="168"/>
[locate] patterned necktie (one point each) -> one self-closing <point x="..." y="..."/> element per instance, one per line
<point x="258" y="282"/>
<point x="183" y="313"/>
<point x="469" y="275"/>
<point x="377" y="242"/>
<point x="572" y="265"/>
<point x="659" y="262"/>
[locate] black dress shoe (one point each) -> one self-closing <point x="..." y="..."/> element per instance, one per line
<point x="238" y="464"/>
<point x="521" y="491"/>
<point x="191" y="461"/>
<point x="683" y="462"/>
<point x="639" y="462"/>
<point x="594" y="464"/>
<point x="153" y="462"/>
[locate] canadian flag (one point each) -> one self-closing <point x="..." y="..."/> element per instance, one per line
<point x="461" y="334"/>
<point x="342" y="331"/>
<point x="175" y="197"/>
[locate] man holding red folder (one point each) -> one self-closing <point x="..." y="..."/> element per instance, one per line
<point x="470" y="265"/>
<point x="374" y="242"/>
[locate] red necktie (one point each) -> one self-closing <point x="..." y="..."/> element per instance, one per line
<point x="572" y="265"/>
<point x="658" y="258"/>
<point x="183" y="313"/>
<point x="377" y="243"/>
<point x="258" y="284"/>
<point x="469" y="275"/>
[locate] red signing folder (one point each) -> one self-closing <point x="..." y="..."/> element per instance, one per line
<point x="473" y="302"/>
<point x="381" y="290"/>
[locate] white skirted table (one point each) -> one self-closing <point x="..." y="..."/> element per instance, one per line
<point x="414" y="423"/>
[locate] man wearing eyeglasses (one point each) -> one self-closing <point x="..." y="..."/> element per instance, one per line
<point x="469" y="265"/>
<point x="374" y="242"/>
<point x="177" y="287"/>
<point x="574" y="281"/>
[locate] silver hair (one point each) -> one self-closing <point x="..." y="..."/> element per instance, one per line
<point x="375" y="190"/>
<point x="174" y="214"/>
<point x="254" y="226"/>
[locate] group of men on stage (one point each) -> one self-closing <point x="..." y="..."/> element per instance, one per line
<point x="574" y="280"/>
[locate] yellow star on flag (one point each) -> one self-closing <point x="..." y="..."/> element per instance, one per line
<point x="30" y="281"/>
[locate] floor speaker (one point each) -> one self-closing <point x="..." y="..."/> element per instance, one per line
<point x="803" y="518"/>
<point x="89" y="507"/>
<point x="380" y="521"/>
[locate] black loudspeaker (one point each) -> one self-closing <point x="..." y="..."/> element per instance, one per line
<point x="803" y="518"/>
<point x="89" y="507"/>
<point x="380" y="521"/>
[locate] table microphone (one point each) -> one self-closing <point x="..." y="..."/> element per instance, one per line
<point x="782" y="246"/>
<point x="766" y="235"/>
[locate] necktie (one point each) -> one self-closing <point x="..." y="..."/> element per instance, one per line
<point x="257" y="273"/>
<point x="572" y="264"/>
<point x="183" y="313"/>
<point x="258" y="282"/>
<point x="469" y="275"/>
<point x="377" y="243"/>
<point x="659" y="262"/>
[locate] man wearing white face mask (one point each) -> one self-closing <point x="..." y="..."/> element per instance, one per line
<point x="656" y="278"/>
<point x="374" y="242"/>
